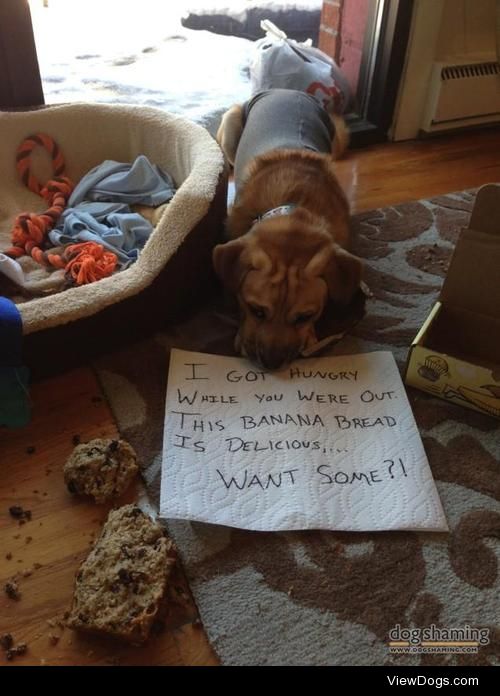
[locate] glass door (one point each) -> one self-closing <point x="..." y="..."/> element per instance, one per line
<point x="138" y="51"/>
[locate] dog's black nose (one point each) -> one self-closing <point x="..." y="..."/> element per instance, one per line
<point x="274" y="359"/>
<point x="272" y="362"/>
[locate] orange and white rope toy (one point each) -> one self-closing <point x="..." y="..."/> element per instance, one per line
<point x="83" y="263"/>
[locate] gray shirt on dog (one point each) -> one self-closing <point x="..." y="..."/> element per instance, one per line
<point x="281" y="118"/>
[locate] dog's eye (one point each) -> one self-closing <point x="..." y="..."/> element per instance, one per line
<point x="258" y="312"/>
<point x="303" y="318"/>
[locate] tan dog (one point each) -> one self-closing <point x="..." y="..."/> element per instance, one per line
<point x="287" y="264"/>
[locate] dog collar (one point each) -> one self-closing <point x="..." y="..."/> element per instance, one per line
<point x="275" y="212"/>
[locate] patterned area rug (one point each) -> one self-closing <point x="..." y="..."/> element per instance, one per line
<point x="321" y="598"/>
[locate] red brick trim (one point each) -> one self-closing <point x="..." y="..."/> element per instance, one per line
<point x="331" y="15"/>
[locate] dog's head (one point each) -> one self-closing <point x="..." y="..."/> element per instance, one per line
<point x="283" y="272"/>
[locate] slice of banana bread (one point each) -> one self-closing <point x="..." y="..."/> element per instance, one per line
<point x="119" y="587"/>
<point x="101" y="468"/>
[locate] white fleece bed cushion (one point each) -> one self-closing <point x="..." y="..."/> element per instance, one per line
<point x="88" y="134"/>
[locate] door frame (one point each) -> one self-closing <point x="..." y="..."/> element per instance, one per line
<point x="20" y="83"/>
<point x="384" y="51"/>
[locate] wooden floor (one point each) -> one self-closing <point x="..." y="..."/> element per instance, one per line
<point x="44" y="553"/>
<point x="383" y="175"/>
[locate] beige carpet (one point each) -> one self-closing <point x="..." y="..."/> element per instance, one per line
<point x="321" y="598"/>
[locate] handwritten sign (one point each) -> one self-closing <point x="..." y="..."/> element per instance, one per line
<point x="327" y="443"/>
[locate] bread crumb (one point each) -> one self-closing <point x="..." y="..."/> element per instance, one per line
<point x="12" y="590"/>
<point x="17" y="650"/>
<point x="19" y="513"/>
<point x="6" y="641"/>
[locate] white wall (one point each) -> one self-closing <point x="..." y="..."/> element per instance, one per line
<point x="467" y="30"/>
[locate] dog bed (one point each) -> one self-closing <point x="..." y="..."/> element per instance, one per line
<point x="174" y="267"/>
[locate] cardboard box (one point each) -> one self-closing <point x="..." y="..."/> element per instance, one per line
<point x="456" y="354"/>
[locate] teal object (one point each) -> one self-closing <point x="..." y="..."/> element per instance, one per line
<point x="14" y="397"/>
<point x="15" y="409"/>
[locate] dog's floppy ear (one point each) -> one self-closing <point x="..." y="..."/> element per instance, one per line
<point x="341" y="271"/>
<point x="229" y="264"/>
<point x="344" y="278"/>
<point x="233" y="260"/>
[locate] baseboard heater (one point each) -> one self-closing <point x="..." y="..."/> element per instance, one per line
<point x="462" y="94"/>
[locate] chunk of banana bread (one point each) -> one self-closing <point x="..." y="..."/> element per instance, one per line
<point x="120" y="586"/>
<point x="101" y="468"/>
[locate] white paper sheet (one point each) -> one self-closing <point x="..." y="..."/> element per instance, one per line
<point x="327" y="443"/>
